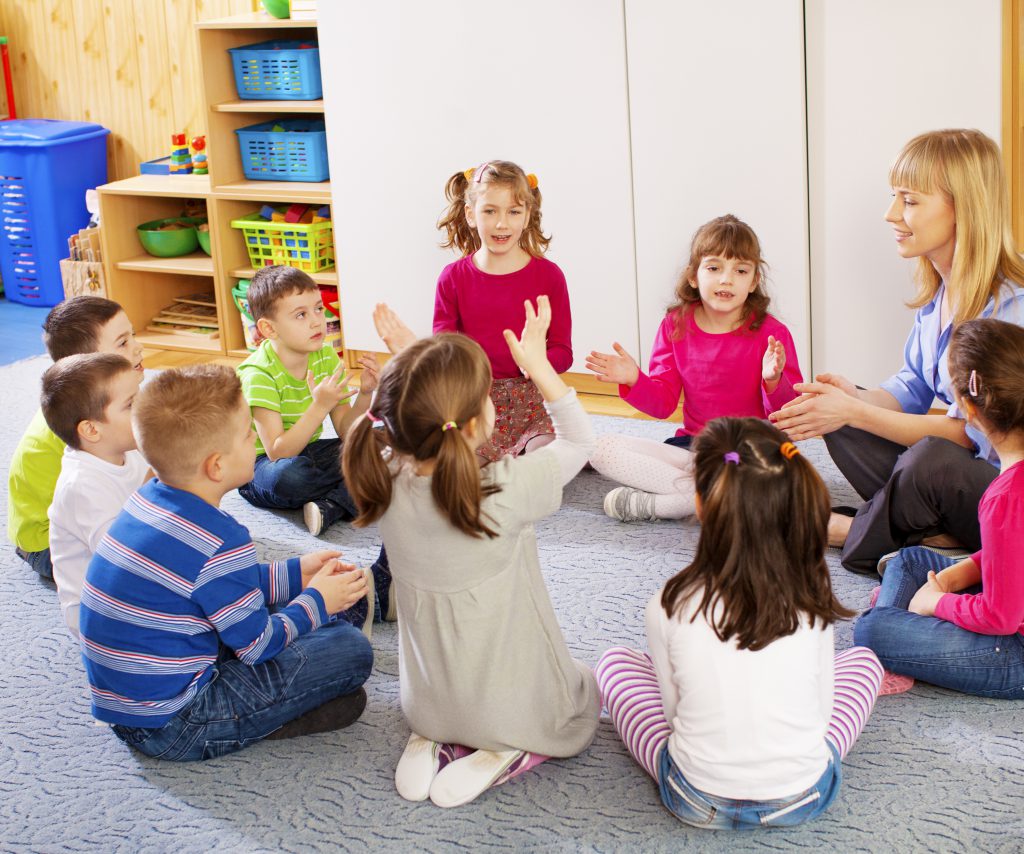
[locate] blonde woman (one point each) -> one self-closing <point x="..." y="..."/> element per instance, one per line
<point x="923" y="475"/>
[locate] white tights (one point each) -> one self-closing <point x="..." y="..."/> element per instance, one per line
<point x="663" y="470"/>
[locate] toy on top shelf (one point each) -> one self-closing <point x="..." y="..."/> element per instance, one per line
<point x="200" y="163"/>
<point x="181" y="160"/>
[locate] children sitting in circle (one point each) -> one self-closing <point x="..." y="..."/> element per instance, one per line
<point x="487" y="683"/>
<point x="719" y="349"/>
<point x="493" y="219"/>
<point x="743" y="712"/>
<point x="959" y="623"/>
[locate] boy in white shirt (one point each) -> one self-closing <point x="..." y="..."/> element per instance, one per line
<point x="87" y="402"/>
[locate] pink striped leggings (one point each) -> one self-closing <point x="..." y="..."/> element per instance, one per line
<point x="629" y="687"/>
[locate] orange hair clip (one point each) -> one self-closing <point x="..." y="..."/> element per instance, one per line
<point x="469" y="173"/>
<point x="531" y="179"/>
<point x="788" y="450"/>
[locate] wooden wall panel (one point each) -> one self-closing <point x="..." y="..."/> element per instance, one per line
<point x="129" y="65"/>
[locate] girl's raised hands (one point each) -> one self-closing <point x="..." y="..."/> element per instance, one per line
<point x="620" y="368"/>
<point x="392" y="331"/>
<point x="530" y="349"/>
<point x="773" y="363"/>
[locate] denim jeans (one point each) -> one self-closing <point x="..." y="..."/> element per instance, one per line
<point x="288" y="483"/>
<point x="935" y="650"/>
<point x="39" y="561"/>
<point x="241" y="704"/>
<point x="700" y="809"/>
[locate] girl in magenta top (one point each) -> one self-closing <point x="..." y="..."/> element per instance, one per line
<point x="493" y="219"/>
<point x="932" y="621"/>
<point x="718" y="351"/>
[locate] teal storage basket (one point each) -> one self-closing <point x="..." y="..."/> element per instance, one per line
<point x="278" y="70"/>
<point x="299" y="153"/>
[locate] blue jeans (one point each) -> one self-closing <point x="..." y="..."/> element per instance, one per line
<point x="39" y="561"/>
<point x="241" y="704"/>
<point x="288" y="483"/>
<point x="934" y="650"/>
<point x="700" y="809"/>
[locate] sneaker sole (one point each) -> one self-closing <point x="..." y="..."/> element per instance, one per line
<point x="313" y="518"/>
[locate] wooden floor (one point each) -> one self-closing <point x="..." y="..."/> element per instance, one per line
<point x="589" y="390"/>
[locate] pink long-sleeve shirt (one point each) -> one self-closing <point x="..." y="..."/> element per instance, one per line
<point x="482" y="305"/>
<point x="717" y="374"/>
<point x="999" y="608"/>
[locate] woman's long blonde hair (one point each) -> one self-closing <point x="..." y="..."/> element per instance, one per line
<point x="967" y="167"/>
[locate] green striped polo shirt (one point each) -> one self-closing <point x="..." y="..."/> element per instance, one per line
<point x="266" y="383"/>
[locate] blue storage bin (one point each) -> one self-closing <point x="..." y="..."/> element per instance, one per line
<point x="45" y="168"/>
<point x="299" y="153"/>
<point x="277" y="70"/>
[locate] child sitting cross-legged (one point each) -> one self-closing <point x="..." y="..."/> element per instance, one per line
<point x="182" y="655"/>
<point x="87" y="403"/>
<point x="294" y="381"/>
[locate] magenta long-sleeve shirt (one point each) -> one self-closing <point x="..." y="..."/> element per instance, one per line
<point x="716" y="374"/>
<point x="482" y="305"/>
<point x="999" y="608"/>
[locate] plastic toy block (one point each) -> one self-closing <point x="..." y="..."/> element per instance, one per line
<point x="295" y="213"/>
<point x="277" y="217"/>
<point x="267" y="212"/>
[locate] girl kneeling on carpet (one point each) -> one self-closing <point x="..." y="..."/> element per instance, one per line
<point x="482" y="661"/>
<point x="742" y="711"/>
<point x="931" y="621"/>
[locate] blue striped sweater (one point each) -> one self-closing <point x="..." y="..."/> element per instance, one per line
<point x="173" y="578"/>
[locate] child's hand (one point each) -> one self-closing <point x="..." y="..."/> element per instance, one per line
<point x="530" y="350"/>
<point x="392" y="331"/>
<point x="370" y="379"/>
<point x="312" y="563"/>
<point x="341" y="585"/>
<point x="773" y="362"/>
<point x="621" y="368"/>
<point x="927" y="598"/>
<point x="330" y="391"/>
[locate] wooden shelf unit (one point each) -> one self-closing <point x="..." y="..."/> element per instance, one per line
<point x="144" y="284"/>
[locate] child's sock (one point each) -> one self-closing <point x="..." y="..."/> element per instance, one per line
<point x="464" y="779"/>
<point x="528" y="762"/>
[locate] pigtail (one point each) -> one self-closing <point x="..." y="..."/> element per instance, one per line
<point x="459" y="234"/>
<point x="533" y="240"/>
<point x="366" y="472"/>
<point x="457" y="487"/>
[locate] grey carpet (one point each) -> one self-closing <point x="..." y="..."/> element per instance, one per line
<point x="933" y="770"/>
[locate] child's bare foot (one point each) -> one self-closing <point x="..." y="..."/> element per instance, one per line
<point x="838" y="529"/>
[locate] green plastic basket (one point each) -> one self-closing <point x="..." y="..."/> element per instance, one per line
<point x="308" y="247"/>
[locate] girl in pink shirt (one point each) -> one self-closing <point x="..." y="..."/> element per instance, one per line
<point x="717" y="350"/>
<point x="932" y="620"/>
<point x="493" y="219"/>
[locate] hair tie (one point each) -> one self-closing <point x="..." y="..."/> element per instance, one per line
<point x="449" y="425"/>
<point x="972" y="384"/>
<point x="531" y="179"/>
<point x="788" y="450"/>
<point x="469" y="173"/>
<point x="480" y="171"/>
<point x="732" y="457"/>
<point x="377" y="422"/>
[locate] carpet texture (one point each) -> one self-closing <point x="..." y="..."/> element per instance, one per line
<point x="933" y="769"/>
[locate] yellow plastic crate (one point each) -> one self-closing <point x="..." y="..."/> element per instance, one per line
<point x="308" y="247"/>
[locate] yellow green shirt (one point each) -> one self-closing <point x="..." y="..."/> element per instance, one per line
<point x="35" y="468"/>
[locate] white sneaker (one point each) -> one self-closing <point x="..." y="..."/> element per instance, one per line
<point x="417" y="768"/>
<point x="461" y="781"/>
<point x="959" y="554"/>
<point x="313" y="516"/>
<point x="629" y="505"/>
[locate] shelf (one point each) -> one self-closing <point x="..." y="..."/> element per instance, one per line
<point x="196" y="264"/>
<point x="260" y="21"/>
<point x="277" y="191"/>
<point x="172" y="341"/>
<point x="241" y="353"/>
<point x="269" y="107"/>
<point x="324" y="277"/>
<point x="176" y="186"/>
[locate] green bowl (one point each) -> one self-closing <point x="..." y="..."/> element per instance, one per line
<point x="168" y="244"/>
<point x="278" y="8"/>
<point x="204" y="241"/>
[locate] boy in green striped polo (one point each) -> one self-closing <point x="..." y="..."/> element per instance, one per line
<point x="292" y="383"/>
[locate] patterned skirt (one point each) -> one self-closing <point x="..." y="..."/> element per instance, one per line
<point x="519" y="416"/>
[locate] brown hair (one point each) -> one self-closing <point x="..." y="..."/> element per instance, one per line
<point x="271" y="284"/>
<point x="966" y="166"/>
<point x="184" y="415"/>
<point x="760" y="562"/>
<point x="74" y="325"/>
<point x="993" y="350"/>
<point x="435" y="381"/>
<point x="77" y="389"/>
<point x="724" y="237"/>
<point x="461" y="191"/>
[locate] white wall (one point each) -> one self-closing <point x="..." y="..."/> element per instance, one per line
<point x="879" y="72"/>
<point x="417" y="91"/>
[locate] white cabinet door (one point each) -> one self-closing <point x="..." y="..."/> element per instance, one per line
<point x="716" y="94"/>
<point x="415" y="91"/>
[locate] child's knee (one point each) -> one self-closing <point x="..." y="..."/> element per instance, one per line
<point x="603" y="453"/>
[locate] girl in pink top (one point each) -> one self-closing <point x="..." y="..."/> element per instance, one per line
<point x="718" y="351"/>
<point x="932" y="620"/>
<point x="493" y="219"/>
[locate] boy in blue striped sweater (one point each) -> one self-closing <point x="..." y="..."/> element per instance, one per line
<point x="183" y="657"/>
